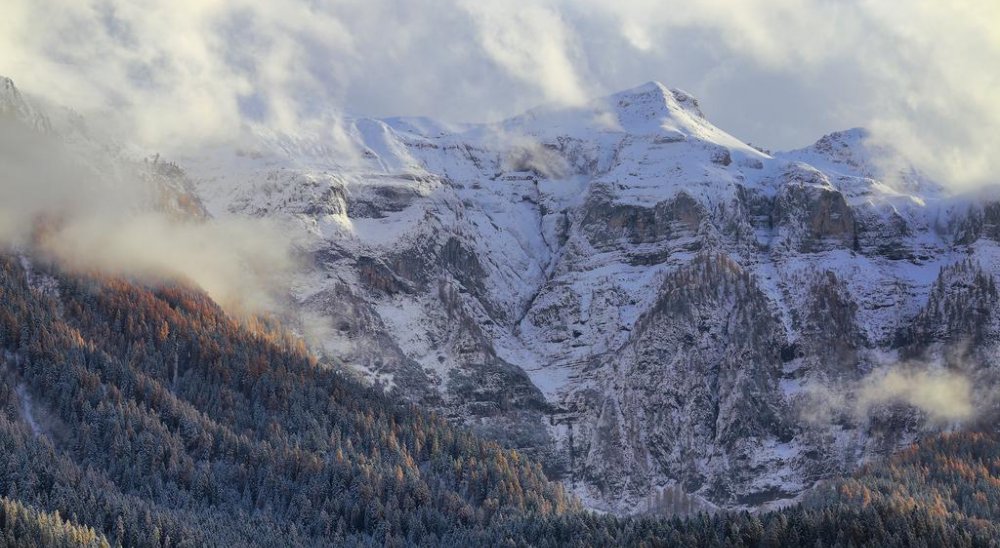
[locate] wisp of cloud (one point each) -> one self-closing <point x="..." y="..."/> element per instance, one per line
<point x="95" y="214"/>
<point x="941" y="395"/>
<point x="945" y="396"/>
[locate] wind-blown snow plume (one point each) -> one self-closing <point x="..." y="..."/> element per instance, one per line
<point x="525" y="153"/>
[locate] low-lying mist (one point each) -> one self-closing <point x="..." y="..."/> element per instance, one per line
<point x="239" y="263"/>
<point x="942" y="395"/>
<point x="99" y="214"/>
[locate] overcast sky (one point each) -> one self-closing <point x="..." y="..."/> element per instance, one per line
<point x="779" y="73"/>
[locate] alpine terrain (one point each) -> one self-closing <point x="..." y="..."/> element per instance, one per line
<point x="667" y="318"/>
<point x="663" y="314"/>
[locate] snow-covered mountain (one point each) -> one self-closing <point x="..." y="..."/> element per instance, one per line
<point x="623" y="289"/>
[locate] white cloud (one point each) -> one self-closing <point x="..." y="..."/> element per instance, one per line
<point x="533" y="44"/>
<point x="96" y="218"/>
<point x="777" y="72"/>
<point x="242" y="264"/>
<point x="942" y="395"/>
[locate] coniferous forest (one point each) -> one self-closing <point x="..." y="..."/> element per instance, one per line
<point x="156" y="420"/>
<point x="133" y="415"/>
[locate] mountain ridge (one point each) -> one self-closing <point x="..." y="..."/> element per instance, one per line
<point x="548" y="243"/>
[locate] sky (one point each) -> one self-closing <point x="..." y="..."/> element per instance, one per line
<point x="923" y="75"/>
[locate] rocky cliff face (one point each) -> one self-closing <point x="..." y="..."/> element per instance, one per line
<point x="624" y="290"/>
<point x="627" y="291"/>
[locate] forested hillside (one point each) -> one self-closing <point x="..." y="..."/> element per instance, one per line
<point x="141" y="416"/>
<point x="944" y="491"/>
<point x="152" y="417"/>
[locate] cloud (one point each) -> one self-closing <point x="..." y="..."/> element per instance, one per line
<point x="775" y="72"/>
<point x="100" y="217"/>
<point x="533" y="44"/>
<point x="921" y="78"/>
<point x="175" y="71"/>
<point x="241" y="264"/>
<point x="942" y="395"/>
<point x="524" y="154"/>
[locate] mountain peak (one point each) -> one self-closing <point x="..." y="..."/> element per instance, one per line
<point x="14" y="107"/>
<point x="850" y="147"/>
<point x="10" y="97"/>
<point x="847" y="138"/>
<point x="652" y="86"/>
<point x="657" y="97"/>
<point x="653" y="108"/>
<point x="856" y="153"/>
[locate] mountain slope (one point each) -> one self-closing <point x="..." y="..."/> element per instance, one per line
<point x="152" y="419"/>
<point x="151" y="416"/>
<point x="941" y="492"/>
